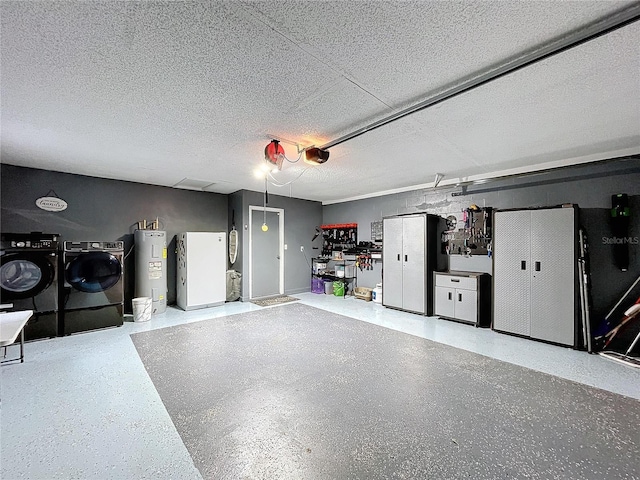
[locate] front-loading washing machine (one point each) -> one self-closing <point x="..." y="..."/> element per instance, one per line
<point x="29" y="279"/>
<point x="93" y="293"/>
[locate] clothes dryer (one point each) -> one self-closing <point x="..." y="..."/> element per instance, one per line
<point x="93" y="286"/>
<point x="29" y="279"/>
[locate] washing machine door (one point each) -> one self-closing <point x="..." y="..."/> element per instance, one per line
<point x="93" y="272"/>
<point x="25" y="275"/>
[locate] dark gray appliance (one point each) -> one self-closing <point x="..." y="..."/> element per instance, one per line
<point x="410" y="254"/>
<point x="29" y="279"/>
<point x="93" y="286"/>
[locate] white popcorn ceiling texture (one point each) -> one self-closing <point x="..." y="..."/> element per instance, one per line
<point x="157" y="92"/>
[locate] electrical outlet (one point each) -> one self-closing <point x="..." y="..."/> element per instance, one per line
<point x="302" y="248"/>
<point x="285" y="246"/>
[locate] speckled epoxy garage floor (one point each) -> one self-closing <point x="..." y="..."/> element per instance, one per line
<point x="298" y="392"/>
<point x="85" y="407"/>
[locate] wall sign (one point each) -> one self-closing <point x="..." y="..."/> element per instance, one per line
<point x="51" y="204"/>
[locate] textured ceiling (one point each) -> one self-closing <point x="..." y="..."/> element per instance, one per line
<point x="159" y="92"/>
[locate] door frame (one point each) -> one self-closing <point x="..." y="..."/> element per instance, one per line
<point x="260" y="210"/>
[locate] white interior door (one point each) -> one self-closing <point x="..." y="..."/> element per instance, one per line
<point x="266" y="252"/>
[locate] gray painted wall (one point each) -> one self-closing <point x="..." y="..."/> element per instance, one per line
<point x="590" y="187"/>
<point x="300" y="220"/>
<point x="107" y="210"/>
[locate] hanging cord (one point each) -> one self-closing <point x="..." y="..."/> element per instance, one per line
<point x="305" y="257"/>
<point x="275" y="182"/>
<point x="296" y="160"/>
<point x="129" y="252"/>
<point x="265" y="200"/>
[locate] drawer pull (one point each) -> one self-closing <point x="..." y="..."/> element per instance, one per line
<point x="456" y="280"/>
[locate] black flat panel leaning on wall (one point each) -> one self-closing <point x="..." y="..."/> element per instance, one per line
<point x="106" y="210"/>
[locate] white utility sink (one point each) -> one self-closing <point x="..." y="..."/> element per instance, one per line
<point x="11" y="324"/>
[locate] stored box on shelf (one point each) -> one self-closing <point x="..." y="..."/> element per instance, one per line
<point x="345" y="271"/>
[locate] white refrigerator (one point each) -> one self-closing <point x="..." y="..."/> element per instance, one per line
<point x="201" y="269"/>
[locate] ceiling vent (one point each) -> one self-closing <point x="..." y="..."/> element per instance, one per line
<point x="192" y="184"/>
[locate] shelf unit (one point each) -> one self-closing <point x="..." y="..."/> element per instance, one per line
<point x="320" y="268"/>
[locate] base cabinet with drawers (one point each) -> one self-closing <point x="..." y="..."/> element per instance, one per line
<point x="463" y="296"/>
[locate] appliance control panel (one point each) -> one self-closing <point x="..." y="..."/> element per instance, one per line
<point x="32" y="244"/>
<point x="93" y="246"/>
<point x="30" y="241"/>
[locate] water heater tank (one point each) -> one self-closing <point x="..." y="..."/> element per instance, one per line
<point x="151" y="267"/>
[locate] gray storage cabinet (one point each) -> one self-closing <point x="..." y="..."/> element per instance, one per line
<point x="463" y="296"/>
<point x="410" y="255"/>
<point x="535" y="274"/>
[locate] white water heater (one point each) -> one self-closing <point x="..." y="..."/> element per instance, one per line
<point x="201" y="265"/>
<point x="151" y="267"/>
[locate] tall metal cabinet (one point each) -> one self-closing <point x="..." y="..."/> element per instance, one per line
<point x="410" y="255"/>
<point x="535" y="275"/>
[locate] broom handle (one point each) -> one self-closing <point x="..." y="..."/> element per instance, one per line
<point x="633" y="345"/>
<point x="622" y="299"/>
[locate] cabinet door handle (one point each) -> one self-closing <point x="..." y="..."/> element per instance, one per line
<point x="523" y="265"/>
<point x="459" y="297"/>
<point x="537" y="266"/>
<point x="398" y="257"/>
<point x="450" y="295"/>
<point x="405" y="258"/>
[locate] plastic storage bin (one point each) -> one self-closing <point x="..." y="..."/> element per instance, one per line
<point x="317" y="285"/>
<point x="363" y="293"/>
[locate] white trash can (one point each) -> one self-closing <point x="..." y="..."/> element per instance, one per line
<point x="142" y="307"/>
